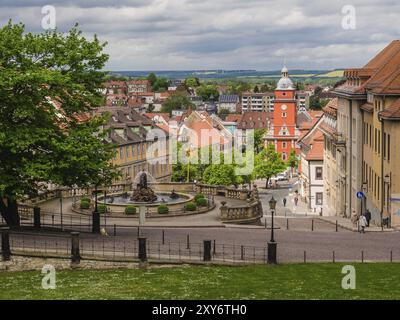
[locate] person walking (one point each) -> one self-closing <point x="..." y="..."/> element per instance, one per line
<point x="284" y="201"/>
<point x="296" y="200"/>
<point x="368" y="217"/>
<point x="362" y="222"/>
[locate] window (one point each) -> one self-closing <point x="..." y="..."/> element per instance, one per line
<point x="284" y="145"/>
<point x="121" y="153"/>
<point x="284" y="156"/>
<point x="318" y="173"/>
<point x="388" y="147"/>
<point x="284" y="114"/>
<point x="318" y="198"/>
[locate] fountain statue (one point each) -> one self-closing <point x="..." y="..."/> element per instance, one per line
<point x="173" y="194"/>
<point x="143" y="193"/>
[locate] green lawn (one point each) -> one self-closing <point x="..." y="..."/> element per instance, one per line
<point x="311" y="281"/>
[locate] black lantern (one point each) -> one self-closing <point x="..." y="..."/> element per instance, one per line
<point x="272" y="203"/>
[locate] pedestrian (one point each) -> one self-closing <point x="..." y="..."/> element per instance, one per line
<point x="296" y="200"/>
<point x="284" y="201"/>
<point x="362" y="222"/>
<point x="368" y="217"/>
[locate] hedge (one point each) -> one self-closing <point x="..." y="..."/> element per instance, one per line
<point x="85" y="204"/>
<point x="86" y="199"/>
<point x="201" y="202"/>
<point x="162" y="209"/>
<point x="191" y="206"/>
<point x="198" y="196"/>
<point x="130" y="210"/>
<point x="101" y="208"/>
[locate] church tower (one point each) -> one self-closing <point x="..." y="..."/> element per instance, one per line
<point x="285" y="111"/>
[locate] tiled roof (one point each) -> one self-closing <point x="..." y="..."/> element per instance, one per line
<point x="392" y="112"/>
<point x="255" y="120"/>
<point x="332" y="107"/>
<point x="233" y="117"/>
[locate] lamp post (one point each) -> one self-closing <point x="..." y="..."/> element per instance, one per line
<point x="364" y="199"/>
<point x="272" y="244"/>
<point x="95" y="214"/>
<point x="61" y="210"/>
<point x="385" y="192"/>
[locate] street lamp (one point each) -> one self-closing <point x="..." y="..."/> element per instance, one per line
<point x="272" y="244"/>
<point x="95" y="214"/>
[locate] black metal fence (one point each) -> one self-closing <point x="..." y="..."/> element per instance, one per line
<point x="112" y="248"/>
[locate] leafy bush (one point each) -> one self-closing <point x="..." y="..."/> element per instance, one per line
<point x="162" y="209"/>
<point x="85" y="204"/>
<point x="86" y="199"/>
<point x="201" y="202"/>
<point x="198" y="196"/>
<point x="101" y="208"/>
<point x="130" y="210"/>
<point x="191" y="206"/>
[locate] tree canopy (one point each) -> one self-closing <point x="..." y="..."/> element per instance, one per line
<point x="47" y="81"/>
<point x="268" y="163"/>
<point x="177" y="101"/>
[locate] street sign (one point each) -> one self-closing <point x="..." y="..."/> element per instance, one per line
<point x="360" y="195"/>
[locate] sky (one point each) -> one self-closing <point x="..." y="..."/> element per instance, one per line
<point x="223" y="34"/>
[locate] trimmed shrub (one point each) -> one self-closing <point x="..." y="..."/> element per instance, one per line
<point x="198" y="196"/>
<point x="162" y="209"/>
<point x="130" y="210"/>
<point x="191" y="206"/>
<point x="86" y="199"/>
<point x="201" y="202"/>
<point x="102" y="208"/>
<point x="85" y="204"/>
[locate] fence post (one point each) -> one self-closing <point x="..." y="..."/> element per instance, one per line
<point x="305" y="256"/>
<point x="207" y="250"/>
<point x="287" y="224"/>
<point x="142" y="250"/>
<point x="362" y="256"/>
<point x="187" y="242"/>
<point x="75" y="254"/>
<point x="336" y="226"/>
<point x="5" y="243"/>
<point x="312" y="224"/>
<point x="36" y="218"/>
<point x="115" y="230"/>
<point x="214" y="248"/>
<point x="391" y="256"/>
<point x="333" y="257"/>
<point x="241" y="252"/>
<point x="163" y="237"/>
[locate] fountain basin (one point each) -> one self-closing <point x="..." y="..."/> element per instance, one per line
<point x="120" y="202"/>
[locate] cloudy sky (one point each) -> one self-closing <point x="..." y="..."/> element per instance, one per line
<point x="222" y="34"/>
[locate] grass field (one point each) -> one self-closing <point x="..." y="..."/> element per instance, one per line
<point x="311" y="281"/>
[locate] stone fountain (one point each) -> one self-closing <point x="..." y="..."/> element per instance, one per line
<point x="143" y="193"/>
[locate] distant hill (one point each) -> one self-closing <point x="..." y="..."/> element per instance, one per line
<point x="221" y="74"/>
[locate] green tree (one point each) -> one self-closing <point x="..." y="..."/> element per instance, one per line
<point x="268" y="163"/>
<point x="40" y="141"/>
<point x="176" y="101"/>
<point x="256" y="90"/>
<point x="192" y="82"/>
<point x="152" y="78"/>
<point x="161" y="84"/>
<point x="258" y="139"/>
<point x="205" y="91"/>
<point x="293" y="162"/>
<point x="220" y="174"/>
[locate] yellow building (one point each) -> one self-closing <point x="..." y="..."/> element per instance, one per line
<point x="134" y="135"/>
<point x="375" y="90"/>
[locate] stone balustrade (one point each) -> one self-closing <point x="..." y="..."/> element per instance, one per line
<point x="250" y="213"/>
